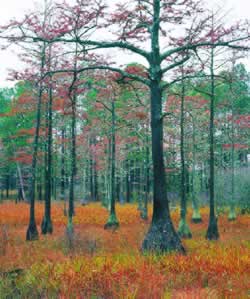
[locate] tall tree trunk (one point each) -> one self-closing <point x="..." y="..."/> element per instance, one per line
<point x="96" y="182"/>
<point x="118" y="186"/>
<point x="144" y="213"/>
<point x="91" y="172"/>
<point x="73" y="97"/>
<point x="73" y="166"/>
<point x="196" y="217"/>
<point x="47" y="222"/>
<point x="138" y="180"/>
<point x="183" y="229"/>
<point x="212" y="231"/>
<point x="32" y="233"/>
<point x="62" y="196"/>
<point x="21" y="182"/>
<point x="128" y="189"/>
<point x="7" y="184"/>
<point x="112" y="220"/>
<point x="107" y="175"/>
<point x="232" y="212"/>
<point x="132" y="177"/>
<point x="161" y="236"/>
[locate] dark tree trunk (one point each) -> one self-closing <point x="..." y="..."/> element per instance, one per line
<point x="95" y="178"/>
<point x="138" y="181"/>
<point x="118" y="187"/>
<point x="183" y="229"/>
<point x="128" y="189"/>
<point x="73" y="166"/>
<point x="144" y="213"/>
<point x="96" y="182"/>
<point x="91" y="176"/>
<point x="47" y="223"/>
<point x="212" y="231"/>
<point x="40" y="193"/>
<point x="132" y="179"/>
<point x="32" y="233"/>
<point x="196" y="216"/>
<point x="62" y="196"/>
<point x="108" y="179"/>
<point x="161" y="236"/>
<point x="21" y="181"/>
<point x="7" y="183"/>
<point x="112" y="222"/>
<point x="232" y="213"/>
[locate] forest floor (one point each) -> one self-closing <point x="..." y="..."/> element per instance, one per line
<point x="108" y="264"/>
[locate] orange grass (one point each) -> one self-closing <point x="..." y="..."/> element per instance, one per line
<point x="108" y="264"/>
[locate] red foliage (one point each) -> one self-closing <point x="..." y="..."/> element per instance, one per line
<point x="236" y="146"/>
<point x="243" y="121"/>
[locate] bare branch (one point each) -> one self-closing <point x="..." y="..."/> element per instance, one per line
<point x="101" y="67"/>
<point x="204" y="44"/>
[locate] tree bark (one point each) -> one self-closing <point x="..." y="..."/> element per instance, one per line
<point x="196" y="217"/>
<point x="73" y="167"/>
<point x="21" y="182"/>
<point x="128" y="189"/>
<point x="183" y="229"/>
<point x="161" y="236"/>
<point x="112" y="220"/>
<point x="62" y="196"/>
<point x="144" y="213"/>
<point x="47" y="226"/>
<point x="32" y="233"/>
<point x="212" y="231"/>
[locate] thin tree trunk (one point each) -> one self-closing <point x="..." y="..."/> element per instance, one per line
<point x="7" y="184"/>
<point x="212" y="231"/>
<point x="112" y="220"/>
<point x="73" y="166"/>
<point x="196" y="217"/>
<point x="63" y="197"/>
<point x="183" y="229"/>
<point x="73" y="97"/>
<point x="21" y="182"/>
<point x="96" y="182"/>
<point x="91" y="176"/>
<point x="47" y="222"/>
<point x="32" y="233"/>
<point x="128" y="189"/>
<point x="232" y="212"/>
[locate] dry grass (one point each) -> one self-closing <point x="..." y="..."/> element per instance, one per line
<point x="108" y="264"/>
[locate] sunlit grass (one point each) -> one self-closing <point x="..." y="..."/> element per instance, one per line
<point x="109" y="264"/>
